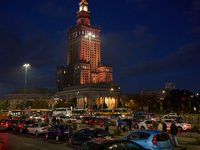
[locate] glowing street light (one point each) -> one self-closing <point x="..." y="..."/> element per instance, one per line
<point x="26" y="66"/>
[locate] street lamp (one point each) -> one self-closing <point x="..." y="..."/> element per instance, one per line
<point x="26" y="66"/>
<point x="90" y="35"/>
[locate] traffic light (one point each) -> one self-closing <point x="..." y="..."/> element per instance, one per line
<point x="6" y="101"/>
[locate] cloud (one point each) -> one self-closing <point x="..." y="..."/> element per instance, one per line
<point x="119" y="48"/>
<point x="186" y="56"/>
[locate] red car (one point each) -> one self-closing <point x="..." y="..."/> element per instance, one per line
<point x="101" y="123"/>
<point x="89" y="120"/>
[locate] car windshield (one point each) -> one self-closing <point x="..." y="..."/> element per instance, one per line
<point x="44" y="124"/>
<point x="89" y="146"/>
<point x="65" y="127"/>
<point x="29" y="122"/>
<point x="179" y="122"/>
<point x="162" y="137"/>
<point x="100" y="132"/>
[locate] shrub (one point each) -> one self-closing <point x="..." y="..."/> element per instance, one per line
<point x="61" y="120"/>
<point x="92" y="126"/>
<point x="74" y="126"/>
<point x="117" y="132"/>
<point x="69" y="121"/>
<point x="97" y="122"/>
<point x="83" y="122"/>
<point x="113" y="123"/>
<point x="195" y="129"/>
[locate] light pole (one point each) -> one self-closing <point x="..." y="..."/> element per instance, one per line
<point x="90" y="35"/>
<point x="26" y="66"/>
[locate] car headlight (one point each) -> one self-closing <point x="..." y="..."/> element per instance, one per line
<point x="184" y="125"/>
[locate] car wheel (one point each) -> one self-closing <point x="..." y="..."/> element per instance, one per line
<point x="36" y="133"/>
<point x="142" y="128"/>
<point x="136" y="126"/>
<point x="14" y="130"/>
<point x="57" y="138"/>
<point x="21" y="131"/>
<point x="180" y="129"/>
<point x="70" y="141"/>
<point x="27" y="131"/>
<point x="47" y="136"/>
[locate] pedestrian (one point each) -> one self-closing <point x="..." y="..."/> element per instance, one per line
<point x="160" y="126"/>
<point x="173" y="131"/>
<point x="54" y="120"/>
<point x="119" y="121"/>
<point x="57" y="120"/>
<point x="106" y="126"/>
<point x="164" y="126"/>
<point x="129" y="123"/>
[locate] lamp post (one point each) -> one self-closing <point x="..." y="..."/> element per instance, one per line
<point x="90" y="35"/>
<point x="26" y="66"/>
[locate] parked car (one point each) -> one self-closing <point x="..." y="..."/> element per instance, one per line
<point x="3" y="125"/>
<point x="89" y="120"/>
<point x="133" y="120"/>
<point x="89" y="134"/>
<point x="11" y="123"/>
<point x="114" y="116"/>
<point x="182" y="126"/>
<point x="150" y="139"/>
<point x="105" y="119"/>
<point x="172" y="116"/>
<point x="111" y="144"/>
<point x="1" y="145"/>
<point x="38" y="128"/>
<point x="145" y="124"/>
<point x="101" y="122"/>
<point x="59" y="131"/>
<point x="22" y="125"/>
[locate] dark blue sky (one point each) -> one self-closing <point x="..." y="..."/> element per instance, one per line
<point x="148" y="42"/>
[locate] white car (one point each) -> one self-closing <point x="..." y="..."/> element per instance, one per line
<point x="182" y="126"/>
<point x="145" y="124"/>
<point x="171" y="116"/>
<point x="38" y="128"/>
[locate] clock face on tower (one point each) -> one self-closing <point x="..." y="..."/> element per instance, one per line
<point x="81" y="8"/>
<point x="85" y="8"/>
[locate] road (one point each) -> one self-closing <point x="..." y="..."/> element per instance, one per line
<point x="17" y="141"/>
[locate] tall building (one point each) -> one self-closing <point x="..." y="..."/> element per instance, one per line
<point x="85" y="78"/>
<point x="83" y="46"/>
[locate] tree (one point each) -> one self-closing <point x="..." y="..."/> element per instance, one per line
<point x="4" y="106"/>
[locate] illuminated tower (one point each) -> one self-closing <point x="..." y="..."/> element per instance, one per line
<point x="81" y="49"/>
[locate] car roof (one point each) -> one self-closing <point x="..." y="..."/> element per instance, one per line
<point x="108" y="141"/>
<point x="150" y="131"/>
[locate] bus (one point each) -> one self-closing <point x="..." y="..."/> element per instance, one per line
<point x="123" y="111"/>
<point x="79" y="112"/>
<point x="62" y="112"/>
<point x="15" y="113"/>
<point x="105" y="111"/>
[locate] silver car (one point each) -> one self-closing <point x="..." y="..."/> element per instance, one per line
<point x="38" y="128"/>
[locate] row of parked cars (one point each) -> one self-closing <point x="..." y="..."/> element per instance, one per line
<point x="97" y="138"/>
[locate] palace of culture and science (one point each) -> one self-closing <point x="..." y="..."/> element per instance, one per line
<point x="84" y="78"/>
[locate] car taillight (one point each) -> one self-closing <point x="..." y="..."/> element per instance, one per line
<point x="99" y="138"/>
<point x="20" y="125"/>
<point x="154" y="140"/>
<point x="72" y="131"/>
<point x="2" y="123"/>
<point x="59" y="132"/>
<point x="6" y="124"/>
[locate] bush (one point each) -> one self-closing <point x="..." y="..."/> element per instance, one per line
<point x="74" y="126"/>
<point x="117" y="132"/>
<point x="69" y="121"/>
<point x="97" y="122"/>
<point x="92" y="126"/>
<point x="195" y="129"/>
<point x="61" y="120"/>
<point x="113" y="123"/>
<point x="83" y="122"/>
